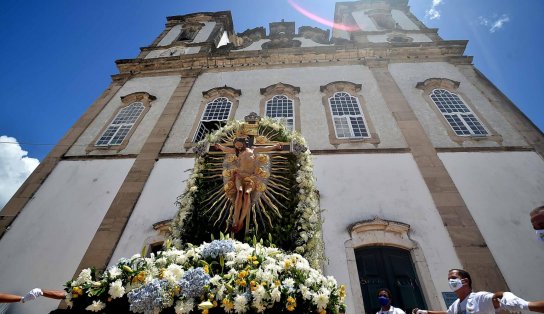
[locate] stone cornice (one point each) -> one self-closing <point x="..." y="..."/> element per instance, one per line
<point x="351" y="53"/>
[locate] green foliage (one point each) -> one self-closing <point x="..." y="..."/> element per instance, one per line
<point x="198" y="225"/>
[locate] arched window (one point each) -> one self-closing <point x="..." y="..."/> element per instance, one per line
<point x="459" y="116"/>
<point x="121" y="125"/>
<point x="349" y="121"/>
<point x="215" y="116"/>
<point x="280" y="107"/>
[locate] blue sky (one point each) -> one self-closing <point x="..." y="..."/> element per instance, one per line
<point x="58" y="55"/>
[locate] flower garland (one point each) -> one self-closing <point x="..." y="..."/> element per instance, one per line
<point x="224" y="276"/>
<point x="309" y="243"/>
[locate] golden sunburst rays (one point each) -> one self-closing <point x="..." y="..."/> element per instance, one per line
<point x="274" y="179"/>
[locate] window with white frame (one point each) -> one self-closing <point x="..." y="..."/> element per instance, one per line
<point x="459" y="116"/>
<point x="348" y="118"/>
<point x="121" y="125"/>
<point x="215" y="116"/>
<point x="280" y="107"/>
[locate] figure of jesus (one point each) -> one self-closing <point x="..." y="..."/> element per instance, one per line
<point x="243" y="176"/>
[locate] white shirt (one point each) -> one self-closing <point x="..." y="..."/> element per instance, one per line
<point x="392" y="310"/>
<point x="475" y="303"/>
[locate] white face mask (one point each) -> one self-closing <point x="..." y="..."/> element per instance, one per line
<point x="455" y="284"/>
<point x="540" y="234"/>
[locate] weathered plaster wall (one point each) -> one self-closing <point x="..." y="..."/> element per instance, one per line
<point x="403" y="20"/>
<point x="389" y="186"/>
<point x="50" y="236"/>
<point x="171" y="36"/>
<point x="313" y="117"/>
<point x="407" y="75"/>
<point x="157" y="203"/>
<point x="161" y="87"/>
<point x="500" y="189"/>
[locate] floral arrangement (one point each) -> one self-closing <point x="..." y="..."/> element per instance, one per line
<point x="305" y="213"/>
<point x="224" y="276"/>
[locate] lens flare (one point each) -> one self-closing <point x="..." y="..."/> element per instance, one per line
<point x="310" y="15"/>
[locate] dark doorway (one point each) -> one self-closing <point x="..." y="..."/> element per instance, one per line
<point x="391" y="268"/>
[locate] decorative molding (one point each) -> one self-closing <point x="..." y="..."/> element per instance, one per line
<point x="383" y="232"/>
<point x="430" y="84"/>
<point x="224" y="91"/>
<point x="290" y="92"/>
<point x="433" y="83"/>
<point x="351" y="88"/>
<point x="208" y="96"/>
<point x="146" y="99"/>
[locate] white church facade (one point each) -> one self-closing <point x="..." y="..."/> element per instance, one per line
<point x="421" y="163"/>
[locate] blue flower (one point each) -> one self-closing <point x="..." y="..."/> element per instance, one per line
<point x="217" y="248"/>
<point x="150" y="297"/>
<point x="193" y="281"/>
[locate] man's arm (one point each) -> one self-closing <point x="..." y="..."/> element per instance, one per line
<point x="263" y="149"/>
<point x="536" y="306"/>
<point x="418" y="311"/>
<point x="9" y="298"/>
<point x="510" y="302"/>
<point x="54" y="294"/>
<point x="227" y="150"/>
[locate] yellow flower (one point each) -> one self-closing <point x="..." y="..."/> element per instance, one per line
<point x="255" y="263"/>
<point x="228" y="305"/>
<point x="76" y="292"/>
<point x="291" y="304"/>
<point x="342" y="291"/>
<point x="139" y="278"/>
<point x="287" y="264"/>
<point x="323" y="312"/>
<point x="277" y="283"/>
<point x="206" y="269"/>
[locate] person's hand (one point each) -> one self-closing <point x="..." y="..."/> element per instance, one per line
<point x="278" y="146"/>
<point x="511" y="302"/>
<point x="32" y="294"/>
<point x="418" y="311"/>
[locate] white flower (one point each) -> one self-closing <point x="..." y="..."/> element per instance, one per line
<point x="259" y="294"/>
<point x="306" y="293"/>
<point x="276" y="295"/>
<point x="84" y="277"/>
<point x="184" y="307"/>
<point x="97" y="306"/>
<point x="215" y="280"/>
<point x="321" y="300"/>
<point x="174" y="271"/>
<point x="240" y="304"/>
<point x="289" y="283"/>
<point x="259" y="307"/>
<point x="68" y="300"/>
<point x="114" y="272"/>
<point x="193" y="188"/>
<point x="116" y="289"/>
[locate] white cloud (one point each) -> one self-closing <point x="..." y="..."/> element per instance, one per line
<point x="15" y="167"/>
<point x="495" y="23"/>
<point x="433" y="12"/>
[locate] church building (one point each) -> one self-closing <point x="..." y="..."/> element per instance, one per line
<point x="421" y="163"/>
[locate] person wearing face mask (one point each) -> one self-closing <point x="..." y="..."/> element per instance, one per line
<point x="384" y="298"/>
<point x="481" y="302"/>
